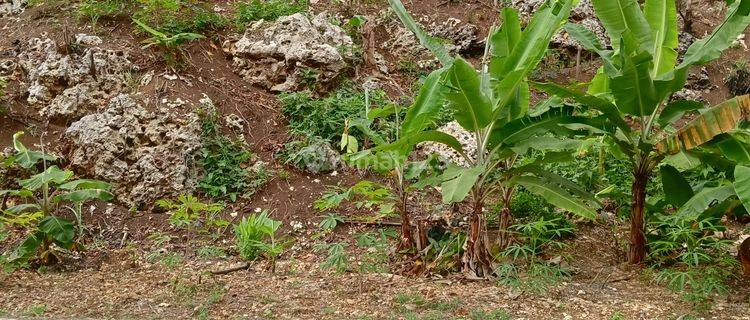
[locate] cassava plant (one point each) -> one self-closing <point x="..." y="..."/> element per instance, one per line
<point x="493" y="105"/>
<point x="639" y="75"/>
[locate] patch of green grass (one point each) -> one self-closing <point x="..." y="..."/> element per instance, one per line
<point x="211" y="252"/>
<point x="168" y="259"/>
<point x="269" y="10"/>
<point x="617" y="316"/>
<point x="94" y="10"/>
<point x="176" y="16"/>
<point x="36" y="310"/>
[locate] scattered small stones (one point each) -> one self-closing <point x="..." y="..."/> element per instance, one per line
<point x="291" y="53"/>
<point x="698" y="83"/>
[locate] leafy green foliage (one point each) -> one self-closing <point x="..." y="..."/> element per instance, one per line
<point x="325" y="117"/>
<point x="537" y="235"/>
<point x="336" y="259"/>
<point x="169" y="43"/>
<point x="39" y="197"/>
<point x="375" y="258"/>
<point x="225" y="162"/>
<point x="310" y="153"/>
<point x="535" y="277"/>
<point x="94" y="10"/>
<point x="256" y="235"/>
<point x="189" y="212"/>
<point x="363" y="195"/>
<point x="269" y="10"/>
<point x="179" y="16"/>
<point x="330" y="221"/>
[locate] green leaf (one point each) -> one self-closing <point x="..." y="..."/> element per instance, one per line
<point x="85" y="184"/>
<point x="525" y="128"/>
<point x="734" y="147"/>
<point x="427" y="105"/>
<point x="554" y="195"/>
<point x="472" y="108"/>
<point x="52" y="174"/>
<point x="703" y="200"/>
<point x="526" y="53"/>
<point x="25" y="157"/>
<point x="22" y="207"/>
<point x="27" y="249"/>
<point x="676" y="109"/>
<point x="710" y="48"/>
<point x="504" y="39"/>
<point x="619" y="16"/>
<point x="677" y="191"/>
<point x="458" y="182"/>
<point x="410" y="141"/>
<point x="59" y="229"/>
<point x="605" y="107"/>
<point x="662" y="17"/>
<point x="634" y="90"/>
<point x="80" y="196"/>
<point x="742" y="185"/>
<point x="150" y="30"/>
<point x="432" y="44"/>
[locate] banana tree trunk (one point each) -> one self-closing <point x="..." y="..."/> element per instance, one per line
<point x="476" y="259"/>
<point x="641" y="173"/>
<point x="407" y="239"/>
<point x="504" y="238"/>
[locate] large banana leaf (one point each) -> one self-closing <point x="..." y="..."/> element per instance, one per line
<point x="720" y="119"/>
<point x="554" y="195"/>
<point x="589" y="41"/>
<point x="662" y="18"/>
<point x="735" y="147"/>
<point x="431" y="43"/>
<point x="27" y="158"/>
<point x="619" y="16"/>
<point x="675" y="110"/>
<point x="709" y="48"/>
<point x="742" y="185"/>
<point x="427" y="105"/>
<point x="527" y="53"/>
<point x="634" y="90"/>
<point x="703" y="200"/>
<point x="472" y="108"/>
<point x="677" y="191"/>
<point x="605" y="107"/>
<point x="458" y="181"/>
<point x="527" y="127"/>
<point x="52" y="174"/>
<point x="504" y="39"/>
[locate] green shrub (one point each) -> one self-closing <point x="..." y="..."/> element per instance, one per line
<point x="188" y="210"/>
<point x="225" y="162"/>
<point x="256" y="235"/>
<point x="269" y="10"/>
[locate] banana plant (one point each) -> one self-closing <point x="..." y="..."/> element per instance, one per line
<point x="39" y="198"/>
<point x="639" y="73"/>
<point x="493" y="105"/>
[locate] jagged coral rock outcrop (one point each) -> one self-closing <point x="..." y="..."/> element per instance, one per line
<point x="144" y="154"/>
<point x="68" y="81"/>
<point x="291" y="53"/>
<point x="11" y="6"/>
